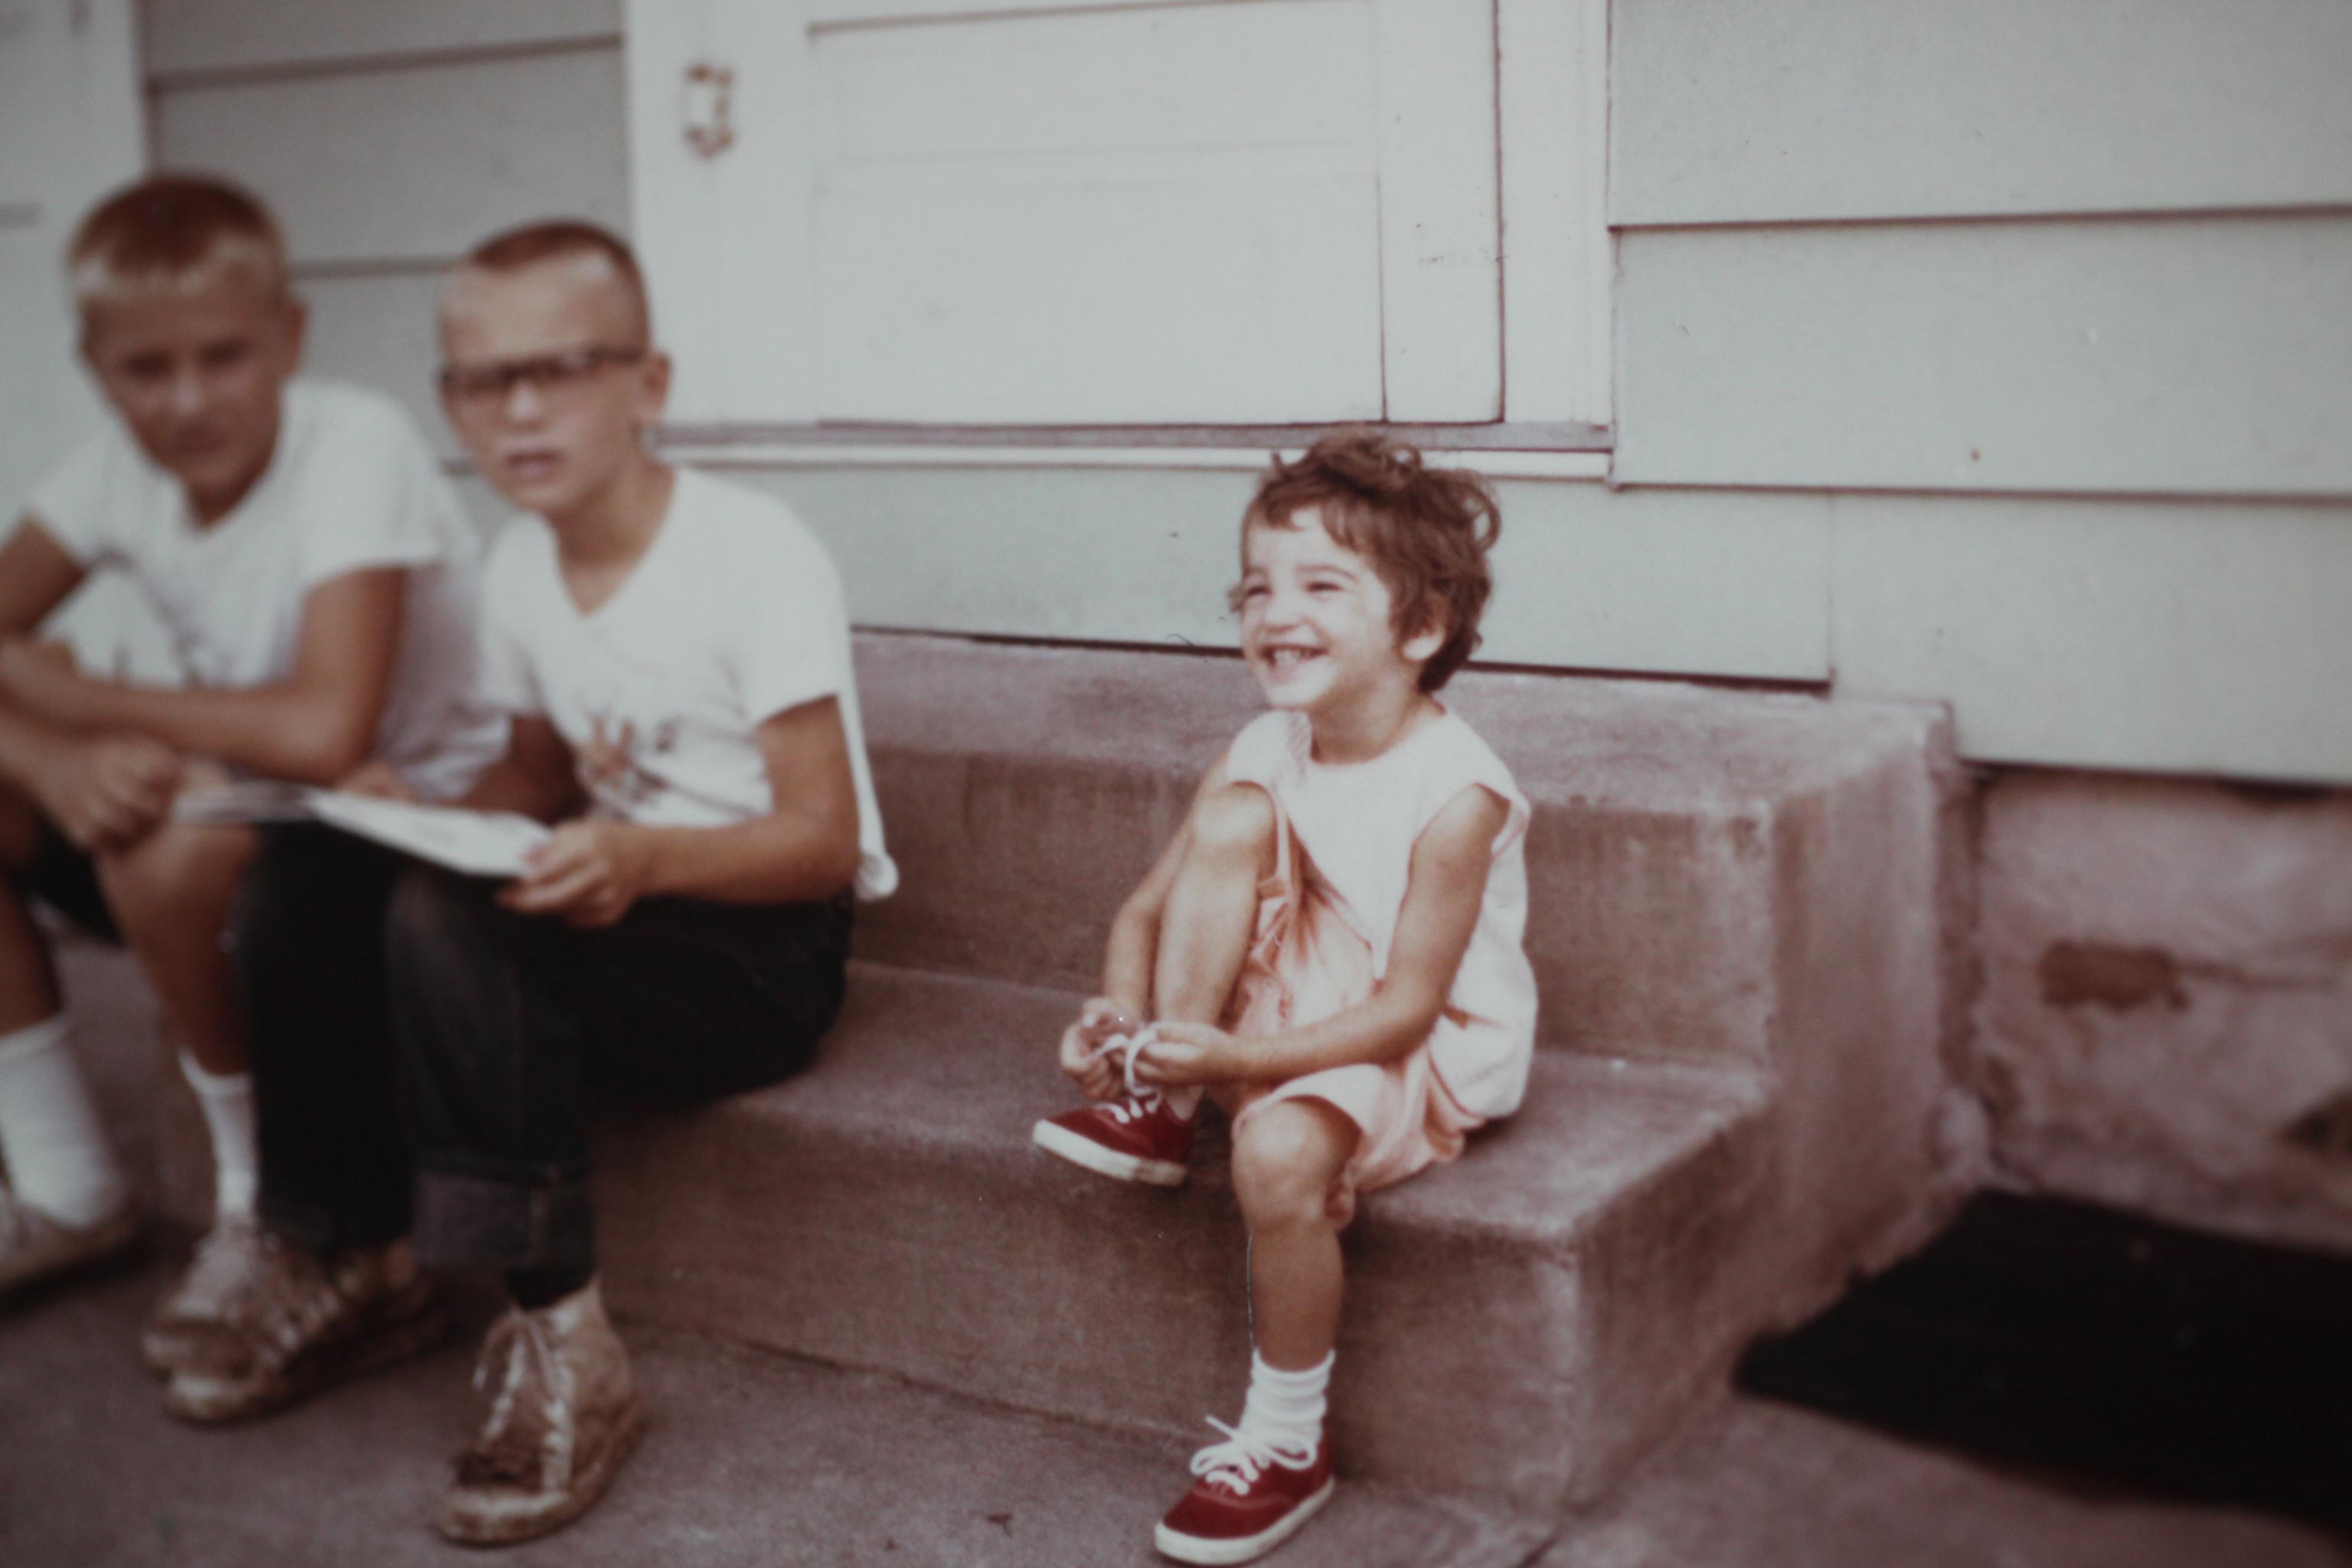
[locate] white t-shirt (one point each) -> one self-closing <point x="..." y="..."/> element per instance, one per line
<point x="1360" y="823"/>
<point x="351" y="486"/>
<point x="732" y="615"/>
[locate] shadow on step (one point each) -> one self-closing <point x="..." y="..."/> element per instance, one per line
<point x="2112" y="1350"/>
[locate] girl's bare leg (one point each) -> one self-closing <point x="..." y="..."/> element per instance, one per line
<point x="1286" y="1157"/>
<point x="1212" y="910"/>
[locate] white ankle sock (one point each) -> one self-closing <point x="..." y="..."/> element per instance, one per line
<point x="1287" y="1407"/>
<point x="55" y="1149"/>
<point x="227" y="1101"/>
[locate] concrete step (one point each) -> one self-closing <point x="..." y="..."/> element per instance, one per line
<point x="752" y="1459"/>
<point x="1715" y="876"/>
<point x="1522" y="1324"/>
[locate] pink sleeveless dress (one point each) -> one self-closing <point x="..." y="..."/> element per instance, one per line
<point x="1325" y="920"/>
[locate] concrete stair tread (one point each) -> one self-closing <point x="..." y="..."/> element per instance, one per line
<point x="921" y="1060"/>
<point x="752" y="1459"/>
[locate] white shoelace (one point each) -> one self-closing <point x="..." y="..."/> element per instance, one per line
<point x="521" y="1347"/>
<point x="1142" y="1099"/>
<point x="1238" y="1461"/>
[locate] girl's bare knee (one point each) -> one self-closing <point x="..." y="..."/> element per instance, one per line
<point x="1286" y="1158"/>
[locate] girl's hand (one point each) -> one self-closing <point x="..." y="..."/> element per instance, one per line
<point x="1176" y="1055"/>
<point x="1097" y="1077"/>
<point x="589" y="871"/>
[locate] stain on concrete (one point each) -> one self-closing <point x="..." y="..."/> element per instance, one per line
<point x="2080" y="973"/>
<point x="2326" y="1128"/>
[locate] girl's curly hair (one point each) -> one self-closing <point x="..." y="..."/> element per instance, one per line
<point x="1425" y="531"/>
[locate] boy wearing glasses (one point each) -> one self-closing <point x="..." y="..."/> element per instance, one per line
<point x="315" y="574"/>
<point x="671" y="653"/>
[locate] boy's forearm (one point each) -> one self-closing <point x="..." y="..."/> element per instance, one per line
<point x="786" y="857"/>
<point x="281" y="732"/>
<point x="27" y="748"/>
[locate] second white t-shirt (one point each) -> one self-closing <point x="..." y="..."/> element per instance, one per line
<point x="733" y="615"/>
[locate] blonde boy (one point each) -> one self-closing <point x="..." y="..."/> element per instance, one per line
<point x="315" y="575"/>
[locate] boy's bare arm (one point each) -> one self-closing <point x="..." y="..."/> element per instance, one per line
<point x="36" y="575"/>
<point x="314" y="727"/>
<point x="101" y="790"/>
<point x="1446" y="890"/>
<point x="805" y="849"/>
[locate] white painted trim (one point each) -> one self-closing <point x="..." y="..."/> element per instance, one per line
<point x="1591" y="467"/>
<point x="1552" y="62"/>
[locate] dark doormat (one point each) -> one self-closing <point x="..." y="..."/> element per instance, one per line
<point x="2120" y="1352"/>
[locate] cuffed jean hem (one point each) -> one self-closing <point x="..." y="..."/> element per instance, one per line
<point x="484" y="1222"/>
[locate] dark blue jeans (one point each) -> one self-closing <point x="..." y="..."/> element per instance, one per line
<point x="403" y="1025"/>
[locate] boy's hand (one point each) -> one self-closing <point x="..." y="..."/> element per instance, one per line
<point x="1097" y="1077"/>
<point x="1176" y="1055"/>
<point x="589" y="871"/>
<point x="379" y="781"/>
<point x="110" y="792"/>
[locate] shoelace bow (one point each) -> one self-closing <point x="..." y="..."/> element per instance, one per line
<point x="521" y="1351"/>
<point x="1236" y="1463"/>
<point x="1143" y="1097"/>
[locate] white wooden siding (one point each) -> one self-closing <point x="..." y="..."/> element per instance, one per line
<point x="412" y="163"/>
<point x="192" y="35"/>
<point x="2176" y="637"/>
<point x="2146" y="356"/>
<point x="1662" y="581"/>
<point x="378" y="329"/>
<point x="1749" y="111"/>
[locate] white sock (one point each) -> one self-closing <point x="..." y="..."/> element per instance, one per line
<point x="1286" y="1408"/>
<point x="227" y="1101"/>
<point x="55" y="1149"/>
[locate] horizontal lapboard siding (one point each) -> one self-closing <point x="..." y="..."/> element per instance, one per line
<point x="1759" y="111"/>
<point x="2164" y="637"/>
<point x="378" y="330"/>
<point x="207" y="35"/>
<point x="413" y="163"/>
<point x="2137" y="356"/>
<point x="1662" y="581"/>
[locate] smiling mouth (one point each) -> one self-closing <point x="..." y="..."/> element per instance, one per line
<point x="529" y="465"/>
<point x="1289" y="658"/>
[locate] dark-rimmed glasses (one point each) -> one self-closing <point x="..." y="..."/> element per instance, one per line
<point x="487" y="385"/>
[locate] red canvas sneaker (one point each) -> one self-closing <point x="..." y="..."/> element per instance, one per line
<point x="1251" y="1498"/>
<point x="1136" y="1138"/>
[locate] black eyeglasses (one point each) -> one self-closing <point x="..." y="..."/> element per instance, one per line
<point x="553" y="376"/>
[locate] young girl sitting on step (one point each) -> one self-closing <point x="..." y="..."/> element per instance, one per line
<point x="1330" y="947"/>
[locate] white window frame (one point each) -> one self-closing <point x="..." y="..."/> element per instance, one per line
<point x="728" y="235"/>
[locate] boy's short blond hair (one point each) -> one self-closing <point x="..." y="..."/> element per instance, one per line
<point x="173" y="234"/>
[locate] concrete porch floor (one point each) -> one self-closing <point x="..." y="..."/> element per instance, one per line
<point x="761" y="1459"/>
